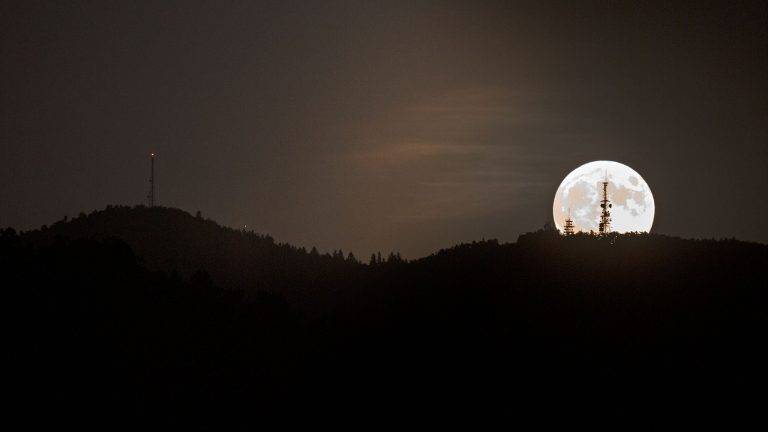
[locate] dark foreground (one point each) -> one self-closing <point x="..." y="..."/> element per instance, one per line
<point x="137" y="317"/>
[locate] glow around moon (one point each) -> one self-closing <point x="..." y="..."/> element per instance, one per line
<point x="580" y="191"/>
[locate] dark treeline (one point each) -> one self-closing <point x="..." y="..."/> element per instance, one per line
<point x="172" y="240"/>
<point x="139" y="315"/>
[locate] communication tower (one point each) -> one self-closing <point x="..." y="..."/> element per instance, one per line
<point x="151" y="194"/>
<point x="605" y="205"/>
<point x="569" y="228"/>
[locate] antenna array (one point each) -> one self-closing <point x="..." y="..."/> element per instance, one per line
<point x="151" y="194"/>
<point x="605" y="204"/>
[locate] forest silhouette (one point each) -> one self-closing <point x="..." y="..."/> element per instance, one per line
<point x="137" y="314"/>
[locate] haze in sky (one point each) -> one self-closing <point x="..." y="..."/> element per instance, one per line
<point x="406" y="126"/>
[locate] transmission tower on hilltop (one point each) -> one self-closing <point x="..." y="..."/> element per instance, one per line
<point x="151" y="194"/>
<point x="569" y="228"/>
<point x="605" y="205"/>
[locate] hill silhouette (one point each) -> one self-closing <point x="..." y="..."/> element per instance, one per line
<point x="151" y="314"/>
<point x="174" y="241"/>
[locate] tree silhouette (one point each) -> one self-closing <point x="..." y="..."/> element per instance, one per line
<point x="150" y="315"/>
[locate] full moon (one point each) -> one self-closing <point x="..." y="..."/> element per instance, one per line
<point x="581" y="191"/>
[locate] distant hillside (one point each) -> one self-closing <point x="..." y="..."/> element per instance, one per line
<point x="172" y="240"/>
<point x="621" y="327"/>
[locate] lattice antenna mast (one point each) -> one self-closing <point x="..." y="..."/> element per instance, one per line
<point x="605" y="205"/>
<point x="569" y="228"/>
<point x="151" y="195"/>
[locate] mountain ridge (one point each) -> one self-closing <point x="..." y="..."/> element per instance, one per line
<point x="547" y="318"/>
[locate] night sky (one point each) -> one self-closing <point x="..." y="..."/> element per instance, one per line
<point x="383" y="125"/>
